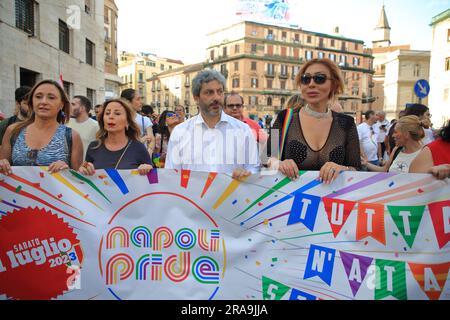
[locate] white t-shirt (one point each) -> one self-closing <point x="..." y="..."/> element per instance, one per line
<point x="143" y="123"/>
<point x="87" y="130"/>
<point x="368" y="141"/>
<point x="380" y="132"/>
<point x="402" y="161"/>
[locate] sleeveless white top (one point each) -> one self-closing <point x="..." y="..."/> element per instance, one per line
<point x="402" y="162"/>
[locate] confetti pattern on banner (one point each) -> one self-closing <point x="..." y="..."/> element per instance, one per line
<point x="173" y="234"/>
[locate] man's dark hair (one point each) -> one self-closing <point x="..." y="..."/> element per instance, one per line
<point x="21" y="93"/>
<point x="147" y="110"/>
<point x="445" y="132"/>
<point x="416" y="109"/>
<point x="128" y="94"/>
<point x="85" y="102"/>
<point x="368" y="114"/>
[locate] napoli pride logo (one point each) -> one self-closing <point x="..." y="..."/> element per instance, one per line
<point x="162" y="244"/>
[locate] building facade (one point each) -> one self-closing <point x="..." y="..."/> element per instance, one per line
<point x="403" y="69"/>
<point x="397" y="69"/>
<point x="135" y="69"/>
<point x="48" y="41"/>
<point x="439" y="99"/>
<point x="112" y="79"/>
<point x="261" y="61"/>
<point x="172" y="88"/>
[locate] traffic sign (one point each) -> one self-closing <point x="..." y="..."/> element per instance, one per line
<point x="422" y="88"/>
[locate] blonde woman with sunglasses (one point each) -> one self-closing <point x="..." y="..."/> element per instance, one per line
<point x="317" y="138"/>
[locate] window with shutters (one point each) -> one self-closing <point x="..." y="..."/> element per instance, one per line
<point x="87" y="6"/>
<point x="25" y="16"/>
<point x="90" y="52"/>
<point x="254" y="83"/>
<point x="67" y="88"/>
<point x="90" y="94"/>
<point x="64" y="37"/>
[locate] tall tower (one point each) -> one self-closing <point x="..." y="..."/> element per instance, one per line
<point x="382" y="32"/>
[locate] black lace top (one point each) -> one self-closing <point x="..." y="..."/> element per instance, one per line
<point x="341" y="147"/>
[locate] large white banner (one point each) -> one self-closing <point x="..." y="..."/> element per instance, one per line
<point x="265" y="11"/>
<point x="187" y="235"/>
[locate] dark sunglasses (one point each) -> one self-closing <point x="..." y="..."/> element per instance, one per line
<point x="318" y="78"/>
<point x="171" y="114"/>
<point x="232" y="106"/>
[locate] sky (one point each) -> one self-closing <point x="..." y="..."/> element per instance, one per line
<point x="177" y="29"/>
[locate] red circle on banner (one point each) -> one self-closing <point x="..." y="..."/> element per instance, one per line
<point x="39" y="255"/>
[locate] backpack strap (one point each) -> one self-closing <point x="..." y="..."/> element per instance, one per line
<point x="68" y="134"/>
<point x="285" y="129"/>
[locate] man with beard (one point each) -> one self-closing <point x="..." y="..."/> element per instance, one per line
<point x="212" y="141"/>
<point x="81" y="122"/>
<point x="21" y="110"/>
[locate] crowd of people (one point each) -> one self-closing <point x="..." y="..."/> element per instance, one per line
<point x="311" y="133"/>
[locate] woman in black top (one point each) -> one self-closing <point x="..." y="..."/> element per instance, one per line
<point x="117" y="145"/>
<point x="318" y="138"/>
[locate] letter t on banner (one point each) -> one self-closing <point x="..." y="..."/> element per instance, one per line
<point x="371" y="222"/>
<point x="304" y="210"/>
<point x="440" y="215"/>
<point x="320" y="263"/>
<point x="338" y="212"/>
<point x="392" y="279"/>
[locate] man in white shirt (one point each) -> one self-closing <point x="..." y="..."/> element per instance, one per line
<point x="368" y="138"/>
<point x="212" y="141"/>
<point x="81" y="122"/>
<point x="381" y="129"/>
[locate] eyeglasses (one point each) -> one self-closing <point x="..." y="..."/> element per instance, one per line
<point x="171" y="114"/>
<point x="318" y="78"/>
<point x="232" y="106"/>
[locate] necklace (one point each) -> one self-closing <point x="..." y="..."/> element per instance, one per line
<point x="317" y="115"/>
